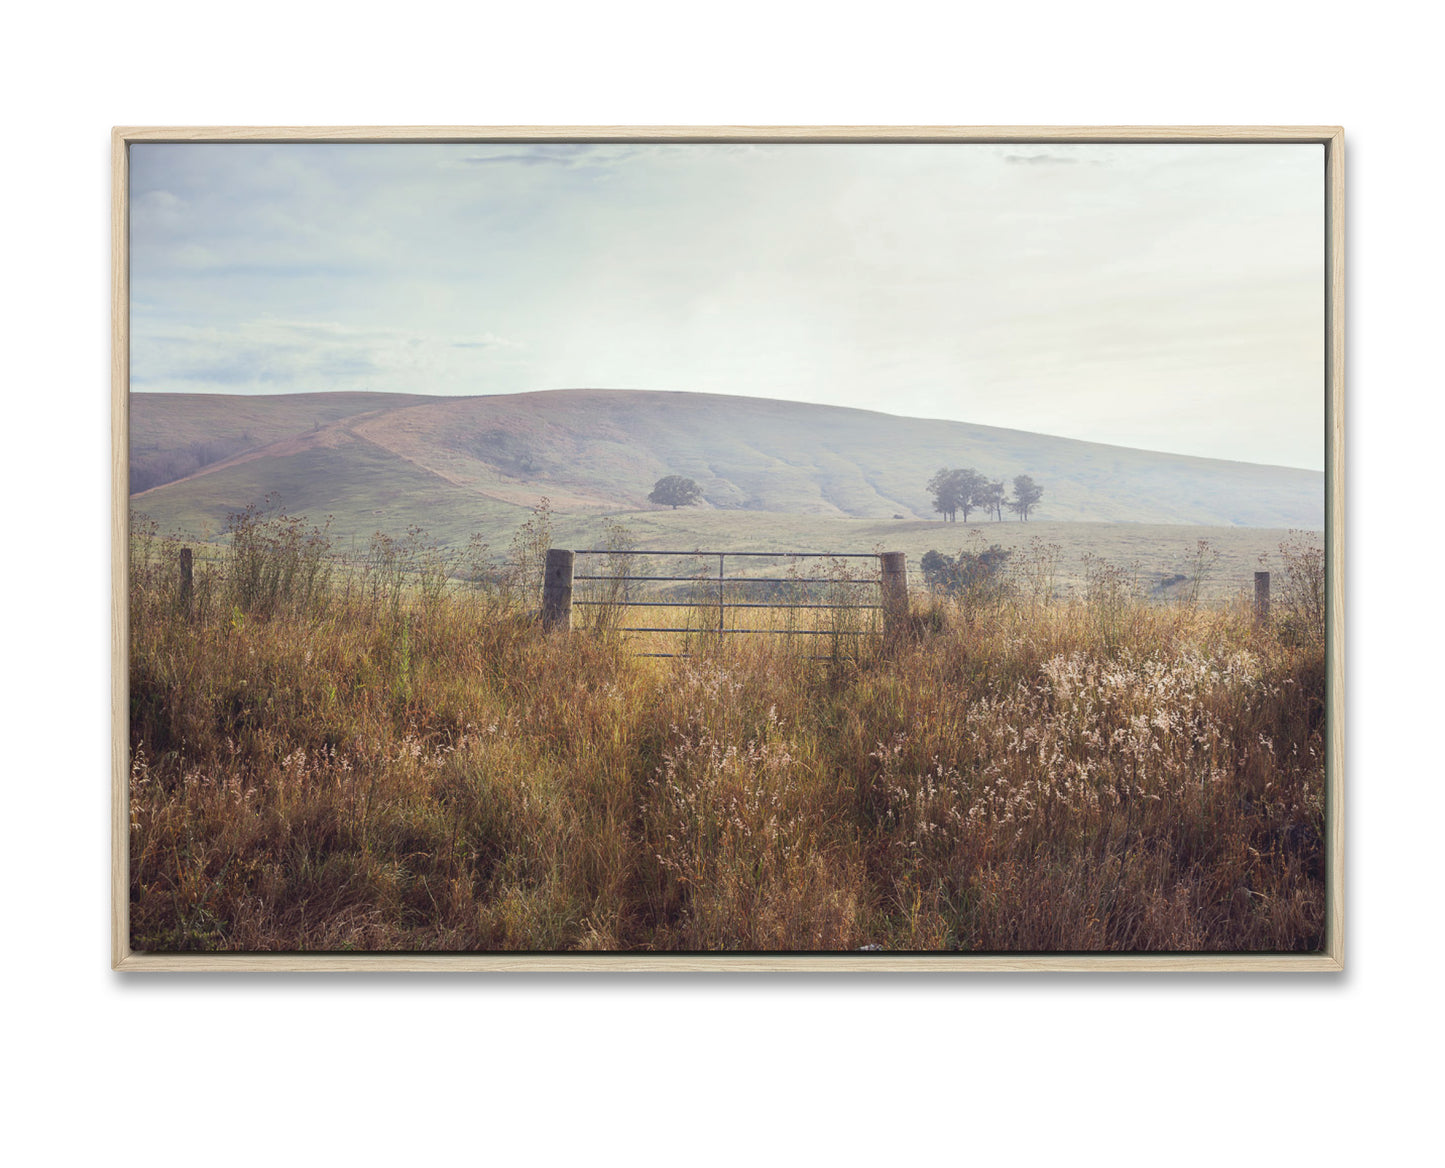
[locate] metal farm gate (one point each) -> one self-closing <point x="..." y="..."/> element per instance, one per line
<point x="713" y="596"/>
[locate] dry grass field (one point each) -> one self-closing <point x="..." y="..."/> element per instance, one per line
<point x="391" y="758"/>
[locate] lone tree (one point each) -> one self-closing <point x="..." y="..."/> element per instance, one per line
<point x="675" y="491"/>
<point x="1027" y="493"/>
<point x="955" y="490"/>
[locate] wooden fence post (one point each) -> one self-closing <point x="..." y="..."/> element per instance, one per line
<point x="187" y="586"/>
<point x="557" y="590"/>
<point x="894" y="583"/>
<point x="1261" y="598"/>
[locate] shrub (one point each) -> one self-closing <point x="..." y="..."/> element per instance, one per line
<point x="527" y="556"/>
<point x="1301" y="606"/>
<point x="973" y="577"/>
<point x="275" y="561"/>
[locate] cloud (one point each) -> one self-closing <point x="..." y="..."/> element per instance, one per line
<point x="517" y="159"/>
<point x="1037" y="159"/>
<point x="280" y="355"/>
<point x="549" y="154"/>
<point x="487" y="341"/>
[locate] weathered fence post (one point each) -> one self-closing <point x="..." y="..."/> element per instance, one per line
<point x="557" y="590"/>
<point x="894" y="582"/>
<point x="187" y="586"/>
<point x="1261" y="598"/>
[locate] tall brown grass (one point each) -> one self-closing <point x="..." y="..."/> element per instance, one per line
<point x="370" y="763"/>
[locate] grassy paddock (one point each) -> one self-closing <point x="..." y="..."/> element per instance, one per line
<point x="366" y="763"/>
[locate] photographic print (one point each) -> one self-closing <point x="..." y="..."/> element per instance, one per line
<point x="726" y="550"/>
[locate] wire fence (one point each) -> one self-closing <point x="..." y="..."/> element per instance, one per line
<point x="670" y="601"/>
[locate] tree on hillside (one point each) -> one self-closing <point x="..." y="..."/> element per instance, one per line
<point x="945" y="498"/>
<point x="1027" y="493"/>
<point x="955" y="490"/>
<point x="971" y="485"/>
<point x="990" y="497"/>
<point x="675" y="491"/>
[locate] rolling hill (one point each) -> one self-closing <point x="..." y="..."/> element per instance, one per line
<point x="454" y="465"/>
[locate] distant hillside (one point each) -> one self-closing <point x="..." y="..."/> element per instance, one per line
<point x="382" y="461"/>
<point x="173" y="435"/>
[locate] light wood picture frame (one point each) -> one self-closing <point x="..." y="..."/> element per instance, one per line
<point x="1328" y="957"/>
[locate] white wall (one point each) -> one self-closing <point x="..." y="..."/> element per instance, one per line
<point x="1131" y="1069"/>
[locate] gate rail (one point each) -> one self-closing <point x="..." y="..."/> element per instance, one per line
<point x="557" y="601"/>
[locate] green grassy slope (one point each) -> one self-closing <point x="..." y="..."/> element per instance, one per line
<point x="362" y="488"/>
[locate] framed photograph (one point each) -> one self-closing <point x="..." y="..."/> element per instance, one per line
<point x="730" y="548"/>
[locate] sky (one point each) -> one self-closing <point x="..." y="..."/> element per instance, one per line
<point x="1168" y="297"/>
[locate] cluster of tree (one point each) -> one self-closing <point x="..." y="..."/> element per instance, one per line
<point x="675" y="491"/>
<point x="976" y="576"/>
<point x="965" y="489"/>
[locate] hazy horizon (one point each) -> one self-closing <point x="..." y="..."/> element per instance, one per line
<point x="1160" y="297"/>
